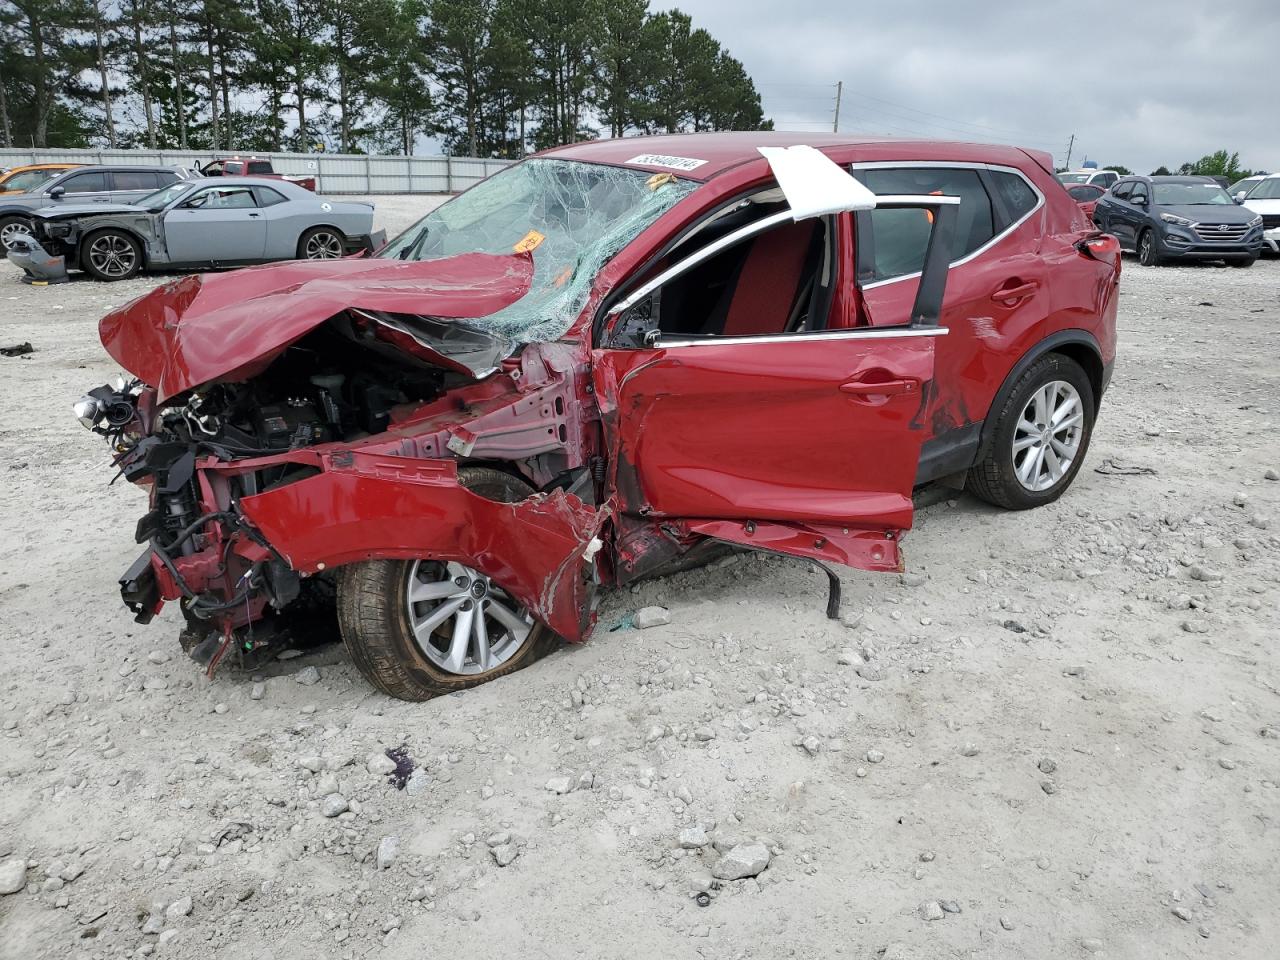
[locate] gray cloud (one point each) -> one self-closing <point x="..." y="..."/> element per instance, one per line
<point x="1143" y="83"/>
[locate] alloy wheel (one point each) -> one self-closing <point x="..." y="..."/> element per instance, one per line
<point x="112" y="255"/>
<point x="10" y="233"/>
<point x="1047" y="437"/>
<point x="463" y="622"/>
<point x="323" y="246"/>
<point x="1144" y="247"/>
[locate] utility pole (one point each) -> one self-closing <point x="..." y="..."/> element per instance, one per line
<point x="1070" y="145"/>
<point x="835" y="126"/>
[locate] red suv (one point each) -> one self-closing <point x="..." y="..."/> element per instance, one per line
<point x="597" y="364"/>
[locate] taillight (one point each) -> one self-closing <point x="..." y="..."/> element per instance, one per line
<point x="1102" y="247"/>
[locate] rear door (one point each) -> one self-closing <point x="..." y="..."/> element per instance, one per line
<point x="768" y="426"/>
<point x="218" y="224"/>
<point x="130" y="185"/>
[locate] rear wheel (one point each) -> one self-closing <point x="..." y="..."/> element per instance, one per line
<point x="320" y="243"/>
<point x="418" y="629"/>
<point x="1040" y="439"/>
<point x="1147" y="255"/>
<point x="110" y="255"/>
<point x="11" y="228"/>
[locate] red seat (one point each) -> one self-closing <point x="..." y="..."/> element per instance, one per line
<point x="767" y="283"/>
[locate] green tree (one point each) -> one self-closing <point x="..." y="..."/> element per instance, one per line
<point x="624" y="60"/>
<point x="1161" y="172"/>
<point x="1216" y="164"/>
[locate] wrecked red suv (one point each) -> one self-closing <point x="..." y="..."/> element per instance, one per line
<point x="595" y="365"/>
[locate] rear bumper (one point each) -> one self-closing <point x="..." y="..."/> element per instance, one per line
<point x="369" y="243"/>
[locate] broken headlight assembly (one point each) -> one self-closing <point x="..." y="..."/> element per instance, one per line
<point x="109" y="409"/>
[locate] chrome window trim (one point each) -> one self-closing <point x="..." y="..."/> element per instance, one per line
<point x="954" y="165"/>
<point x="850" y="333"/>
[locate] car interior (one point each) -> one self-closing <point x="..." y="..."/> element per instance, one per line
<point x="778" y="281"/>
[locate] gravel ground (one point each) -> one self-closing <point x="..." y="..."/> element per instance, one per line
<point x="1057" y="736"/>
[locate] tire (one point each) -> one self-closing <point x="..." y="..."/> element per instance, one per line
<point x="1147" y="255"/>
<point x="110" y="255"/>
<point x="1244" y="264"/>
<point x="996" y="479"/>
<point x="321" y="243"/>
<point x="11" y="228"/>
<point x="374" y="616"/>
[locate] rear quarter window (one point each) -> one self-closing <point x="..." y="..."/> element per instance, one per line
<point x="1019" y="199"/>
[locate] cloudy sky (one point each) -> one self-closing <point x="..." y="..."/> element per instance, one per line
<point x="1141" y="83"/>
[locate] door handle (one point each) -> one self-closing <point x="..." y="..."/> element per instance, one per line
<point x="253" y="214"/>
<point x="1020" y="292"/>
<point x="884" y="388"/>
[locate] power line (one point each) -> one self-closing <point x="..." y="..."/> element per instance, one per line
<point x="939" y="116"/>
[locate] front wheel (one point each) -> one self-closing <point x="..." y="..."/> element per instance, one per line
<point x="320" y="243"/>
<point x="418" y="629"/>
<point x="1147" y="255"/>
<point x="11" y="229"/>
<point x="110" y="255"/>
<point x="1244" y="264"/>
<point x="1040" y="438"/>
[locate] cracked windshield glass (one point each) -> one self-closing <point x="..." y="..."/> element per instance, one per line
<point x="570" y="217"/>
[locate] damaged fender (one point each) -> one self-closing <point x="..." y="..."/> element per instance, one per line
<point x="369" y="505"/>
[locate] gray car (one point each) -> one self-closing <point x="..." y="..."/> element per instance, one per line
<point x="93" y="184"/>
<point x="204" y="223"/>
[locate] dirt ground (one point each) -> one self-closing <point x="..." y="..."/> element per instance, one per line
<point x="1058" y="735"/>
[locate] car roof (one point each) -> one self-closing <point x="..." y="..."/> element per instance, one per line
<point x="23" y="168"/>
<point x="126" y="167"/>
<point x="244" y="181"/>
<point x="1176" y="179"/>
<point x="723" y="151"/>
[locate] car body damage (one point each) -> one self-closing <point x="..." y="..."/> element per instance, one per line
<point x="584" y="372"/>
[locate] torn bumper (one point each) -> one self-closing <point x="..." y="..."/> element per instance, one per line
<point x="364" y="506"/>
<point x="38" y="266"/>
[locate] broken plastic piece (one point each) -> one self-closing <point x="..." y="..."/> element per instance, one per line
<point x="813" y="184"/>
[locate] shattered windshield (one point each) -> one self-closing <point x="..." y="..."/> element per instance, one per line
<point x="570" y="217"/>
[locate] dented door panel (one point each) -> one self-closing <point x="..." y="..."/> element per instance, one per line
<point x="786" y="429"/>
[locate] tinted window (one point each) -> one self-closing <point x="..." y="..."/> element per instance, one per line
<point x="133" y="180"/>
<point x="1139" y="192"/>
<point x="85" y="183"/>
<point x="224" y="198"/>
<point x="1086" y="192"/>
<point x="259" y="166"/>
<point x="1016" y="195"/>
<point x="165" y="177"/>
<point x="31" y="179"/>
<point x="1121" y="190"/>
<point x="1106" y="179"/>
<point x="268" y="197"/>
<point x="899" y="237"/>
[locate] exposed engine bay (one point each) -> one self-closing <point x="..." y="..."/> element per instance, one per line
<point x="368" y="381"/>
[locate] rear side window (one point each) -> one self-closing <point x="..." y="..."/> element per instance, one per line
<point x="1018" y="197"/>
<point x="85" y="183"/>
<point x="1106" y="179"/>
<point x="133" y="180"/>
<point x="268" y="197"/>
<point x="899" y="237"/>
<point x="259" y="166"/>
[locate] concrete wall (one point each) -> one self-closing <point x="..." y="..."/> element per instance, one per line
<point x="336" y="172"/>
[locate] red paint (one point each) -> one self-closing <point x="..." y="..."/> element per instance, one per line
<point x="805" y="445"/>
<point x="230" y="326"/>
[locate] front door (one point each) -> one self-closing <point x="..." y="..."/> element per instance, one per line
<point x="746" y="412"/>
<point x="216" y="225"/>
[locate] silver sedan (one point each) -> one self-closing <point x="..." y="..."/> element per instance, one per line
<point x="227" y="222"/>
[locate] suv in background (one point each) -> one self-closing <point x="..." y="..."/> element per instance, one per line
<point x="1179" y="218"/>
<point x="1264" y="200"/>
<point x="1240" y="189"/>
<point x="1103" y="178"/>
<point x="93" y="184"/>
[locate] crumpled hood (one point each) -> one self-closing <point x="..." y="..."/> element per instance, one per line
<point x="231" y="326"/>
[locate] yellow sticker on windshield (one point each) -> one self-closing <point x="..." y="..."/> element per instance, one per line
<point x="529" y="242"/>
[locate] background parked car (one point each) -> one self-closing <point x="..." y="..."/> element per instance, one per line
<point x="26" y="178"/>
<point x="1244" y="186"/>
<point x="252" y="167"/>
<point x="1086" y="194"/>
<point x="92" y="184"/>
<point x="1103" y="178"/>
<point x="1177" y="218"/>
<point x="1264" y="199"/>
<point x="228" y="221"/>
